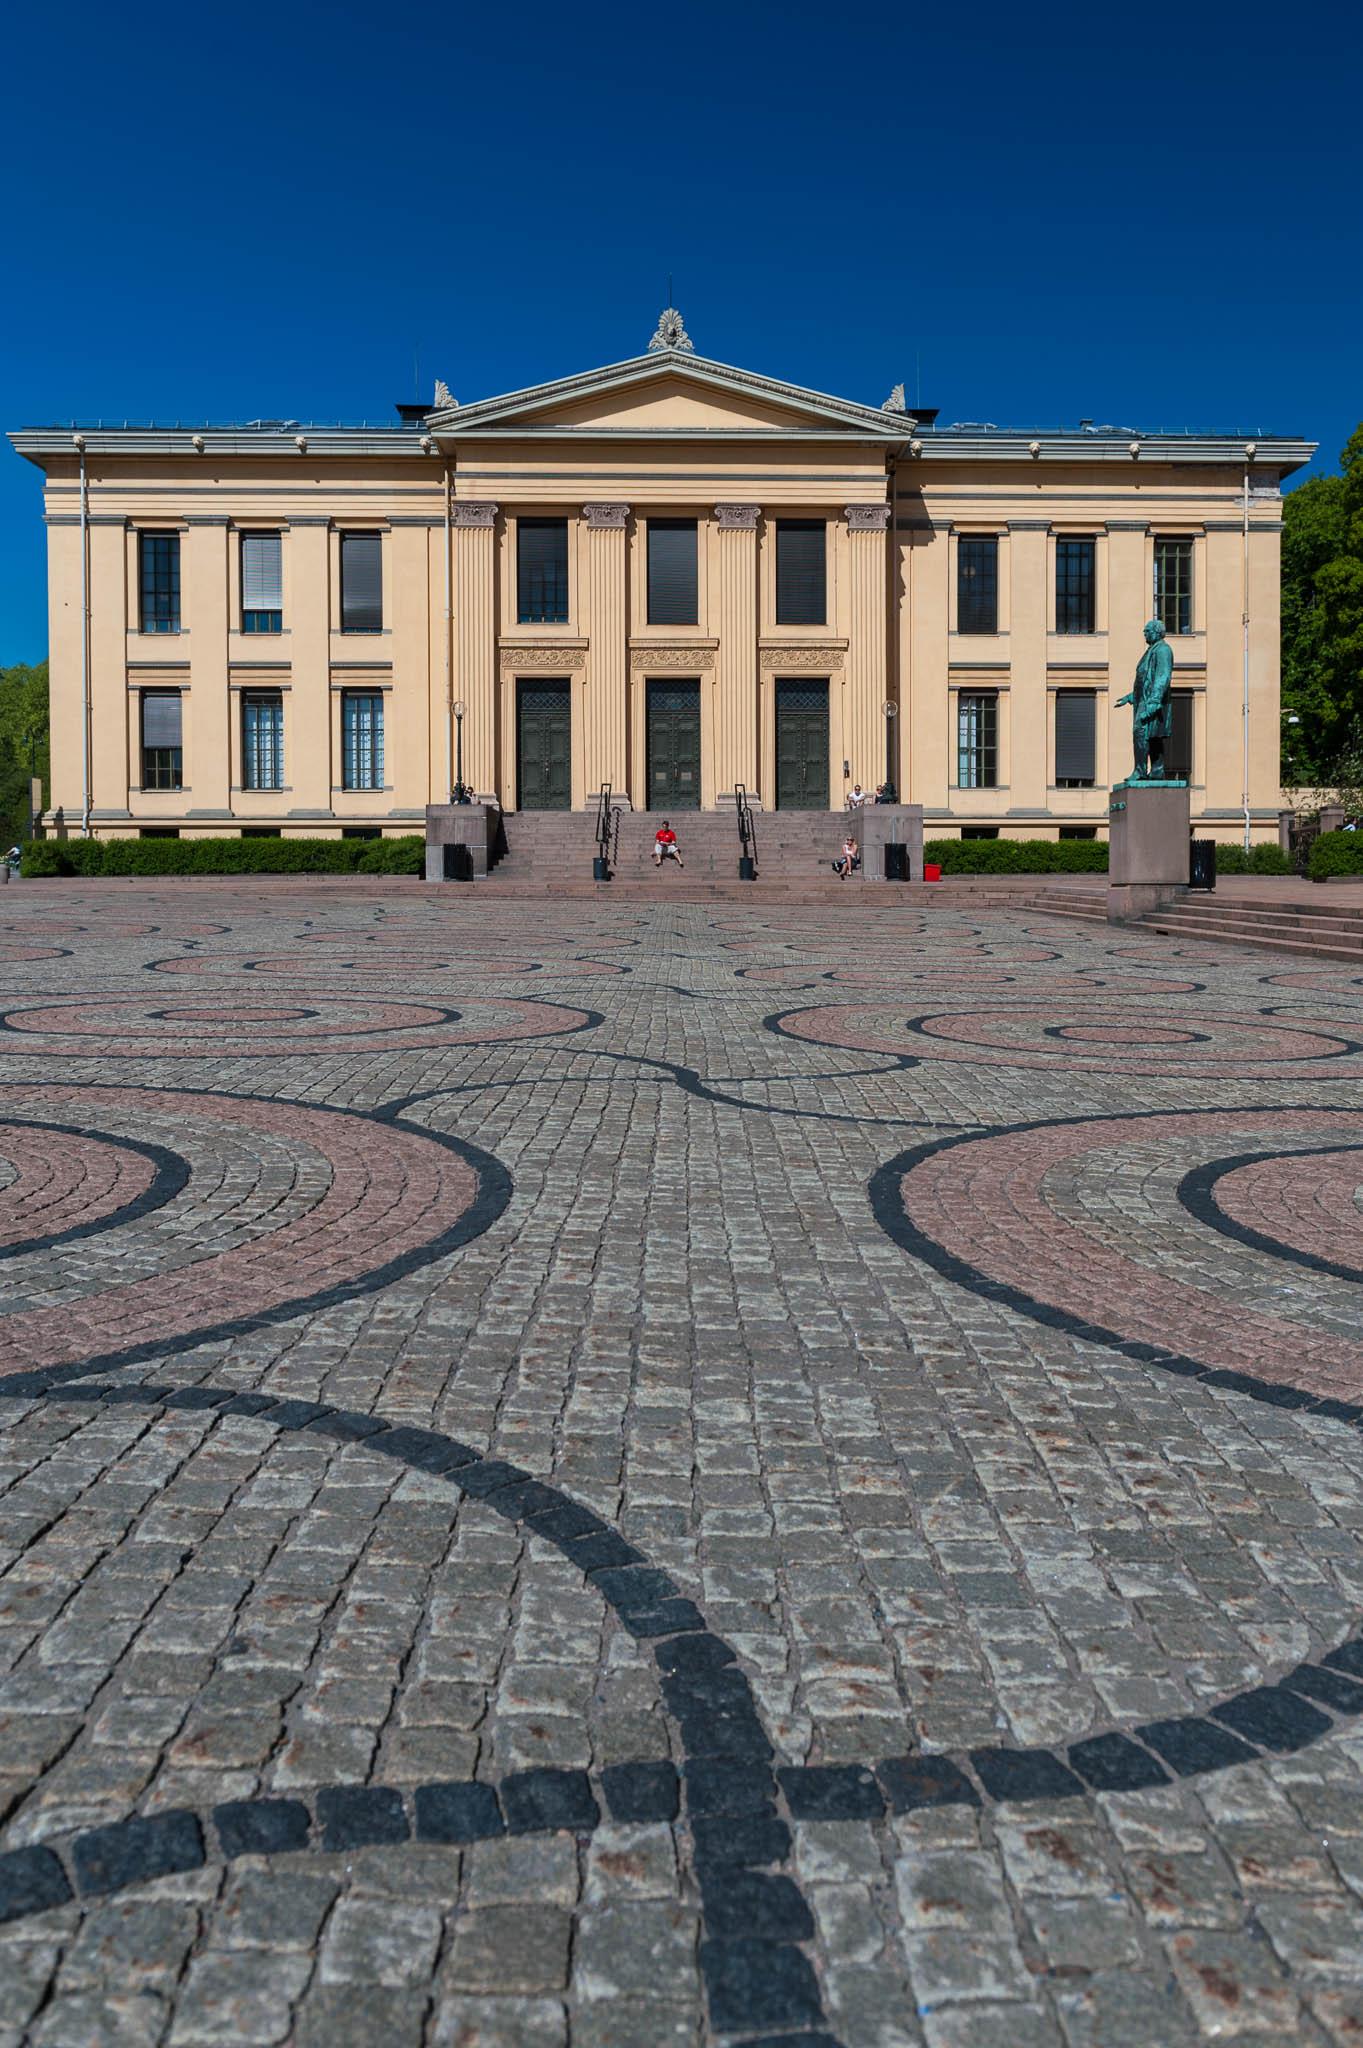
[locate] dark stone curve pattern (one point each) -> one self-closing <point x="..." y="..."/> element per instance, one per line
<point x="887" y="1207"/>
<point x="738" y="1801"/>
<point x="756" y="1975"/>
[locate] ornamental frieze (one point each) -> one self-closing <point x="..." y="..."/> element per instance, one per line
<point x="556" y="660"/>
<point x="821" y="660"/>
<point x="690" y="660"/>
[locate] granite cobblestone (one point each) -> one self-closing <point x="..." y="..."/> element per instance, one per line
<point x="1097" y="1611"/>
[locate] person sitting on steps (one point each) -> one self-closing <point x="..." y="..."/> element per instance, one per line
<point x="665" y="846"/>
<point x="849" y="859"/>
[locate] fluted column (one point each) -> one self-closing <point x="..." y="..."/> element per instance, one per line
<point x="608" y="629"/>
<point x="868" y="670"/>
<point x="736" y="706"/>
<point x="475" y="637"/>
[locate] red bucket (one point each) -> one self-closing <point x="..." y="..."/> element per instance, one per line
<point x="931" y="871"/>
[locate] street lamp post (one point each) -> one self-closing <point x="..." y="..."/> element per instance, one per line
<point x="891" y="711"/>
<point x="461" y="793"/>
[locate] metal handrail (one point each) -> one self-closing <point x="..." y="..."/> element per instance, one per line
<point x="747" y="830"/>
<point x="603" y="824"/>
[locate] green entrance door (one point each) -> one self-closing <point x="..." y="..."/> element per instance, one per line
<point x="674" y="746"/>
<point x="801" y="745"/>
<point x="544" y="745"/>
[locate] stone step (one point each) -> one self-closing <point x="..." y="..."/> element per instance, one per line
<point x="1342" y="947"/>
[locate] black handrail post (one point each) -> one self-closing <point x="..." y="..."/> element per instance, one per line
<point x="601" y="866"/>
<point x="747" y="835"/>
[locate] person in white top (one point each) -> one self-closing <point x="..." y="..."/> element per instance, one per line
<point x="857" y="798"/>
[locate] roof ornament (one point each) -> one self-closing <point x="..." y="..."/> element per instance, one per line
<point x="444" y="397"/>
<point x="671" y="333"/>
<point x="895" y="401"/>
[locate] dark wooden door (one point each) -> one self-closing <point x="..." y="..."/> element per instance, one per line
<point x="544" y="745"/>
<point x="674" y="746"/>
<point x="801" y="746"/>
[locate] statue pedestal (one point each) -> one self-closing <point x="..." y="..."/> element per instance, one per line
<point x="1148" y="839"/>
<point x="461" y="840"/>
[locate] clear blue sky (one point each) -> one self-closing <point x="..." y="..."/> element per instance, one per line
<point x="1144" y="215"/>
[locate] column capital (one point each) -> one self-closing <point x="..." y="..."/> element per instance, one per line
<point x="867" y="518"/>
<point x="475" y="512"/>
<point x="737" y="518"/>
<point x="605" y="518"/>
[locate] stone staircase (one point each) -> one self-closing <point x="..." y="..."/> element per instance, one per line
<point x="551" y="853"/>
<point x="1281" y="924"/>
<point x="1327" y="932"/>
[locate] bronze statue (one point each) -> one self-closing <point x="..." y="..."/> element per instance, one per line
<point x="1152" y="715"/>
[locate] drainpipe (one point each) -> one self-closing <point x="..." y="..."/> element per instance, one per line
<point x="1244" y="623"/>
<point x="79" y="440"/>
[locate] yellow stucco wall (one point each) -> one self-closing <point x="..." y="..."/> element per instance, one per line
<point x="608" y="460"/>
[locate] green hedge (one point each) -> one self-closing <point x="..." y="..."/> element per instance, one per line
<point x="46" y="857"/>
<point x="1018" y="856"/>
<point x="1260" y="860"/>
<point x="1335" y="853"/>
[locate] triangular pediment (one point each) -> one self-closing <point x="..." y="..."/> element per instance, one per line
<point x="674" y="394"/>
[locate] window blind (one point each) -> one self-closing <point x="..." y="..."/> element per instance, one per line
<point x="361" y="583"/>
<point x="673" y="593"/>
<point x="262" y="573"/>
<point x="801" y="598"/>
<point x="1075" y="735"/>
<point x="542" y="571"/>
<point x="161" y="721"/>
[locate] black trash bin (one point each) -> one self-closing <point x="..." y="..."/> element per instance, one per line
<point x="601" y="868"/>
<point x="896" y="861"/>
<point x="458" y="863"/>
<point x="747" y="868"/>
<point x="1202" y="864"/>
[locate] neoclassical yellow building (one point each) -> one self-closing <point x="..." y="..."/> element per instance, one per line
<point x="667" y="575"/>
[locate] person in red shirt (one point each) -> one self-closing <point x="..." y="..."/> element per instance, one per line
<point x="665" y="846"/>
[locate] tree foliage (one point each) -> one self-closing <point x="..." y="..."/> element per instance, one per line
<point x="23" y="744"/>
<point x="1322" y="597"/>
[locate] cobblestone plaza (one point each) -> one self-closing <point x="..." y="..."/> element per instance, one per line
<point x="601" y="1476"/>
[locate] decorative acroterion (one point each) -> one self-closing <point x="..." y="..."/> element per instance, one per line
<point x="671" y="333"/>
<point x="444" y="397"/>
<point x="895" y="401"/>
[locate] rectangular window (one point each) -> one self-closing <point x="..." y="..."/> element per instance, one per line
<point x="977" y="741"/>
<point x="977" y="583"/>
<point x="361" y="739"/>
<point x="1178" y="748"/>
<point x="159" y="576"/>
<point x="801" y="574"/>
<point x="1074" y="586"/>
<point x="262" y="740"/>
<point x="162" y="740"/>
<point x="1076" y="729"/>
<point x="1078" y="831"/>
<point x="542" y="572"/>
<point x="1174" y="585"/>
<point x="262" y="583"/>
<point x="361" y="583"/>
<point x="979" y="831"/>
<point x="673" y="595"/>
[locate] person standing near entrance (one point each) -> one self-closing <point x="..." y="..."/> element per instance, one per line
<point x="665" y="846"/>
